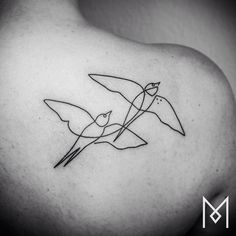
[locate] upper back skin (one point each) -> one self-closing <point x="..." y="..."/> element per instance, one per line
<point x="104" y="190"/>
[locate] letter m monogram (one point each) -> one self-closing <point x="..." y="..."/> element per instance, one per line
<point x="215" y="215"/>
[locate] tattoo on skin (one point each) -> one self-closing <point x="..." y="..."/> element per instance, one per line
<point x="98" y="130"/>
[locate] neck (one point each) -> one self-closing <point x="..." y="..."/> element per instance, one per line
<point x="150" y="94"/>
<point x="54" y="11"/>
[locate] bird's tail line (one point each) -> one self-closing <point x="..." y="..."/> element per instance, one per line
<point x="75" y="154"/>
<point x="68" y="155"/>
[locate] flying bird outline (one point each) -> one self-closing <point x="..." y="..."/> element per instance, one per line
<point x="142" y="100"/>
<point x="90" y="130"/>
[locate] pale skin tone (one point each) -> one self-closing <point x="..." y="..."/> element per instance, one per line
<point x="46" y="51"/>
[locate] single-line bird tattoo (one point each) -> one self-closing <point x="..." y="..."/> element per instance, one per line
<point x="142" y="100"/>
<point x="98" y="129"/>
<point x="90" y="130"/>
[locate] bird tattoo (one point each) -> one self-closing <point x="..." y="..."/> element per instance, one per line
<point x="90" y="130"/>
<point x="98" y="129"/>
<point x="142" y="100"/>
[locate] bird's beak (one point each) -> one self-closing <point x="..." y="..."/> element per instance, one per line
<point x="158" y="83"/>
<point x="109" y="113"/>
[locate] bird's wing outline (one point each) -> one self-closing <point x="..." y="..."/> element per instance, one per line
<point x="76" y="117"/>
<point x="128" y="140"/>
<point x="127" y="88"/>
<point x="166" y="113"/>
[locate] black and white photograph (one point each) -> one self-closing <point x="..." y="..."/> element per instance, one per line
<point x="117" y="118"/>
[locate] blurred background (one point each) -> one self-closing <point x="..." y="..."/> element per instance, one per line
<point x="206" y="25"/>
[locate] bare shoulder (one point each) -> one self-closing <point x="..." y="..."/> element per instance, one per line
<point x="208" y="95"/>
<point x="201" y="80"/>
<point x="209" y="101"/>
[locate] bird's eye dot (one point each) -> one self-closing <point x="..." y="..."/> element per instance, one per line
<point x="104" y="116"/>
<point x="153" y="84"/>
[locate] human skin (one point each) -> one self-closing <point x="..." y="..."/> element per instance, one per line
<point x="46" y="52"/>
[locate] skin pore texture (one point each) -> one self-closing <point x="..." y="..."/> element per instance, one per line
<point x="47" y="51"/>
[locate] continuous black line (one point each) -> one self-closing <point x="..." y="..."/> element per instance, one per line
<point x="67" y="121"/>
<point x="72" y="154"/>
<point x="129" y="147"/>
<point x="66" y="157"/>
<point x="80" y="150"/>
<point x="127" y="124"/>
<point x="141" y="105"/>
<point x="144" y="141"/>
<point x="67" y="103"/>
<point x="114" y="91"/>
<point x="101" y="142"/>
<point x="132" y="104"/>
<point x="135" y="118"/>
<point x="184" y="134"/>
<point x="69" y="154"/>
<point x="70" y="104"/>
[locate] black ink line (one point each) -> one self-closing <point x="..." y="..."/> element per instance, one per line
<point x="124" y="148"/>
<point x="76" y="148"/>
<point x="184" y="134"/>
<point x="124" y="122"/>
<point x="80" y="150"/>
<point x="135" y="118"/>
<point x="144" y="141"/>
<point x="67" y="154"/>
<point x="70" y="104"/>
<point x="114" y="91"/>
<point x="138" y="108"/>
<point x="70" y="154"/>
